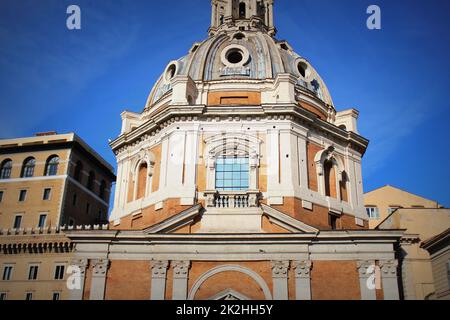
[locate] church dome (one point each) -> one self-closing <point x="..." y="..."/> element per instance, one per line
<point x="241" y="49"/>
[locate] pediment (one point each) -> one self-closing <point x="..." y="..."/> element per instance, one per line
<point x="177" y="221"/>
<point x="229" y="294"/>
<point x="287" y="222"/>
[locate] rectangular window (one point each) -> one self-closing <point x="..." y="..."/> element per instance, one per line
<point x="17" y="222"/>
<point x="56" y="296"/>
<point x="33" y="272"/>
<point x="232" y="173"/>
<point x="373" y="213"/>
<point x="29" y="296"/>
<point x="1" y="196"/>
<point x="59" y="272"/>
<point x="22" y="195"/>
<point x="42" y="220"/>
<point x="7" y="273"/>
<point x="2" y="296"/>
<point x="47" y="193"/>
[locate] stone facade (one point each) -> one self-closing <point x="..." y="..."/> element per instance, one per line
<point x="239" y="180"/>
<point x="54" y="194"/>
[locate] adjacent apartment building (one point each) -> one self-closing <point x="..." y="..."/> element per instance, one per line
<point x="46" y="182"/>
<point x="422" y="219"/>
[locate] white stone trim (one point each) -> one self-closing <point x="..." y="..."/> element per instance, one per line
<point x="224" y="268"/>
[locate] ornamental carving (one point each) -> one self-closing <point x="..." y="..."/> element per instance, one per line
<point x="302" y="268"/>
<point x="100" y="267"/>
<point x="280" y="269"/>
<point x="159" y="268"/>
<point x="181" y="269"/>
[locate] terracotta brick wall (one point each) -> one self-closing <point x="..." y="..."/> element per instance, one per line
<point x="234" y="98"/>
<point x="318" y="217"/>
<point x="128" y="280"/>
<point x="150" y="216"/>
<point x="335" y="280"/>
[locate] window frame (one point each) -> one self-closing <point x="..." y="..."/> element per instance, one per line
<point x="57" y="275"/>
<point x="49" y="194"/>
<point x="220" y="183"/>
<point x="3" y="296"/>
<point x="33" y="277"/>
<point x="56" y="293"/>
<point x="15" y="220"/>
<point x="7" y="277"/>
<point x="28" y="167"/>
<point x="28" y="296"/>
<point x="24" y="192"/>
<point x="52" y="166"/>
<point x="45" y="215"/>
<point x="6" y="169"/>
<point x="2" y="193"/>
<point x="372" y="210"/>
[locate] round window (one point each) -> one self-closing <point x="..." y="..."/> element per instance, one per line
<point x="171" y="71"/>
<point x="303" y="70"/>
<point x="234" y="56"/>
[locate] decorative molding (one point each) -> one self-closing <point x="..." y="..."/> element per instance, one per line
<point x="287" y="222"/>
<point x="302" y="268"/>
<point x="181" y="269"/>
<point x="362" y="267"/>
<point x="159" y="269"/>
<point x="225" y="268"/>
<point x="100" y="267"/>
<point x="388" y="268"/>
<point x="280" y="269"/>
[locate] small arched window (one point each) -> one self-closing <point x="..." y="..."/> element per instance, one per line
<point x="5" y="169"/>
<point x="51" y="166"/>
<point x="78" y="170"/>
<point x="28" y="167"/>
<point x="91" y="179"/>
<point x="142" y="181"/>
<point x="102" y="189"/>
<point x="242" y="11"/>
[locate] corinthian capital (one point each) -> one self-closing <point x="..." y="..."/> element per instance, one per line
<point x="159" y="268"/>
<point x="302" y="268"/>
<point x="100" y="267"/>
<point x="181" y="269"/>
<point x="280" y="269"/>
<point x="388" y="268"/>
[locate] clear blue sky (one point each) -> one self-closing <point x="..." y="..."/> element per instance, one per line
<point x="398" y="78"/>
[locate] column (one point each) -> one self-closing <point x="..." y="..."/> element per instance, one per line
<point x="98" y="282"/>
<point x="302" y="279"/>
<point x="366" y="270"/>
<point x="180" y="279"/>
<point x="389" y="279"/>
<point x="75" y="282"/>
<point x="280" y="279"/>
<point x="159" y="272"/>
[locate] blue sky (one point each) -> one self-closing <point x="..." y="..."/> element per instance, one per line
<point x="397" y="77"/>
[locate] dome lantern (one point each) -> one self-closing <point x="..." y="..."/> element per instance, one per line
<point x="244" y="14"/>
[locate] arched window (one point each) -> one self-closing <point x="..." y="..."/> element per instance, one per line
<point x="51" y="166"/>
<point x="232" y="173"/>
<point x="102" y="190"/>
<point x="242" y="11"/>
<point x="28" y="167"/>
<point x="78" y="170"/>
<point x="5" y="169"/>
<point x="91" y="179"/>
<point x="328" y="168"/>
<point x="142" y="181"/>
